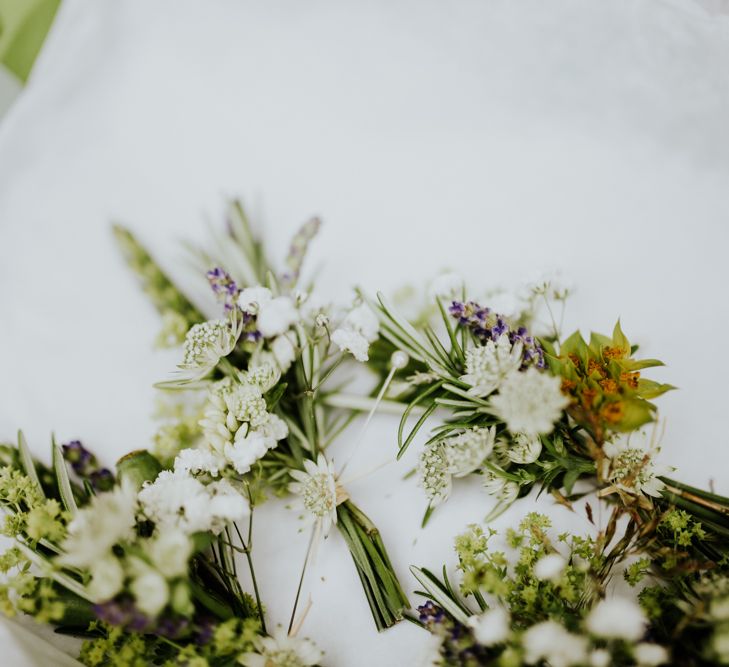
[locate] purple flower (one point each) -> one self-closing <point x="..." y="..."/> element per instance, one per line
<point x="223" y="286"/>
<point x="430" y="614"/>
<point x="80" y="458"/>
<point x="102" y="479"/>
<point x="487" y="325"/>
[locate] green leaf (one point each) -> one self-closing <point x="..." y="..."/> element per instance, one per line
<point x="439" y="593"/>
<point x="62" y="479"/>
<point x="26" y="458"/>
<point x="620" y="340"/>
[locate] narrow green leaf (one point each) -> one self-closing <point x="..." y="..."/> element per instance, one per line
<point x="64" y="483"/>
<point x="26" y="458"/>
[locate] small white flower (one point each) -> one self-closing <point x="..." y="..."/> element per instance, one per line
<point x="617" y="618"/>
<point x="150" y="590"/>
<point x="466" y="451"/>
<point x="359" y="328"/>
<point x="246" y="403"/>
<point x="174" y="500"/>
<point x="447" y="285"/>
<point x="284" y="351"/>
<point x="530" y="402"/>
<point x="349" y="340"/>
<point x="316" y="488"/>
<point x="195" y="460"/>
<point x="600" y="657"/>
<point x="170" y="552"/>
<point x="550" y="567"/>
<point x="523" y="448"/>
<point x="504" y="490"/>
<point x="491" y="627"/>
<point x="107" y="578"/>
<point x="550" y="641"/>
<point x="245" y="451"/>
<point x="629" y="464"/>
<point x="108" y="520"/>
<point x="487" y="366"/>
<point x="206" y="343"/>
<point x="282" y="650"/>
<point x="650" y="655"/>
<point x="277" y="316"/>
<point x="251" y="299"/>
<point x="433" y="473"/>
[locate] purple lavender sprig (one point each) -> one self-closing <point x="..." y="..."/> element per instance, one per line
<point x="297" y="251"/>
<point x="224" y="287"/>
<point x="86" y="466"/>
<point x="485" y="324"/>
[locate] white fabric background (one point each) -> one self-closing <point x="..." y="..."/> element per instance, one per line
<point x="498" y="138"/>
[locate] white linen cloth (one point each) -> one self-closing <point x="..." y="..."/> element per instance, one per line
<point x="497" y="138"/>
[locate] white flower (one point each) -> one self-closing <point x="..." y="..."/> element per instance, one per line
<point x="491" y="627"/>
<point x="650" y="655"/>
<point x="251" y="299"/>
<point x="447" y="285"/>
<point x="487" y="366"/>
<point x="96" y="528"/>
<point x="245" y="451"/>
<point x="246" y="403"/>
<point x="349" y="340"/>
<point x="284" y="351"/>
<point x="617" y="618"/>
<point x="433" y="473"/>
<point x="263" y="371"/>
<point x="206" y="343"/>
<point x="170" y="552"/>
<point x="550" y="567"/>
<point x="523" y="448"/>
<point x="550" y="641"/>
<point x="195" y="460"/>
<point x="629" y="464"/>
<point x="719" y="608"/>
<point x="317" y="492"/>
<point x="276" y="316"/>
<point x="600" y="657"/>
<point x="174" y="500"/>
<point x="530" y="402"/>
<point x="150" y="590"/>
<point x="107" y="578"/>
<point x="359" y="328"/>
<point x="505" y="490"/>
<point x="281" y="650"/>
<point x="466" y="451"/>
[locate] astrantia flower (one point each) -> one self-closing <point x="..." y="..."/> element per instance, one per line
<point x="206" y="343"/>
<point x="176" y="500"/>
<point x="246" y="403"/>
<point x="523" y="448"/>
<point x="466" y="451"/>
<point x="246" y="450"/>
<point x="433" y="473"/>
<point x="529" y="402"/>
<point x="504" y="490"/>
<point x="491" y="627"/>
<point x="263" y="371"/>
<point x="617" y="618"/>
<point x="551" y="642"/>
<point x="488" y="365"/>
<point x="629" y="464"/>
<point x="282" y="650"/>
<point x="317" y="491"/>
<point x="359" y="329"/>
<point x="107" y="520"/>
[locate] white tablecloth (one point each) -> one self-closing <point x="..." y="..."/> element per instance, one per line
<point x="497" y="138"/>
